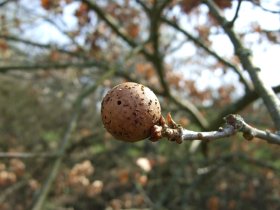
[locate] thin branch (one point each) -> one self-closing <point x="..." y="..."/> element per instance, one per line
<point x="46" y="66"/>
<point x="5" y="2"/>
<point x="158" y="57"/>
<point x="55" y="169"/>
<point x="11" y="190"/>
<point x="116" y="27"/>
<point x="158" y="61"/>
<point x="63" y="32"/>
<point x="236" y="106"/>
<point x="256" y="162"/>
<point x="36" y="44"/>
<point x="250" y="132"/>
<point x="200" y="44"/>
<point x="233" y="124"/>
<point x="264" y="90"/>
<point x="189" y="107"/>
<point x="66" y="140"/>
<point x="231" y="23"/>
<point x="208" y="136"/>
<point x="257" y="3"/>
<point x="144" y="6"/>
<point x="26" y="155"/>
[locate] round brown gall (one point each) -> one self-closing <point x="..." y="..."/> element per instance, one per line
<point x="129" y="111"/>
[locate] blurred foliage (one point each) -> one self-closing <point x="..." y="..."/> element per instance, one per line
<point x="99" y="173"/>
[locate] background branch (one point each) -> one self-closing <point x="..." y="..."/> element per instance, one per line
<point x="40" y="45"/>
<point x="113" y="24"/>
<point x="5" y="2"/>
<point x="46" y="66"/>
<point x="236" y="106"/>
<point x="26" y="155"/>
<point x="265" y="91"/>
<point x="231" y="23"/>
<point x="202" y="45"/>
<point x="65" y="141"/>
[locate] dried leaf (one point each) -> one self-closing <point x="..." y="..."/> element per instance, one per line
<point x="213" y="203"/>
<point x="144" y="163"/>
<point x="133" y="30"/>
<point x="188" y="5"/>
<point x="223" y="4"/>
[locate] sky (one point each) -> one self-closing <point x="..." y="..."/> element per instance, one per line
<point x="265" y="55"/>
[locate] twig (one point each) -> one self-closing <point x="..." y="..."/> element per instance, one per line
<point x="257" y="3"/>
<point x="146" y="198"/>
<point x="45" y="66"/>
<point x="233" y="125"/>
<point x="231" y="23"/>
<point x="217" y="163"/>
<point x="116" y="27"/>
<point x="26" y="155"/>
<point x="5" y="2"/>
<point x="189" y="107"/>
<point x="264" y="90"/>
<point x="202" y="45"/>
<point x="40" y="45"/>
<point x="144" y="6"/>
<point x="158" y="62"/>
<point x="158" y="57"/>
<point x="64" y="33"/>
<point x="256" y="162"/>
<point x="11" y="190"/>
<point x="65" y="141"/>
<point x="236" y="106"/>
<point x="55" y="169"/>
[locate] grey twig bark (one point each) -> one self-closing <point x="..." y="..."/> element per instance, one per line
<point x="233" y="124"/>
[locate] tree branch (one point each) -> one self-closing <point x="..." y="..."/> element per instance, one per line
<point x="231" y="23"/>
<point x="65" y="141"/>
<point x="5" y="2"/>
<point x="189" y="107"/>
<point x="257" y="3"/>
<point x="233" y="124"/>
<point x="11" y="190"/>
<point x="264" y="90"/>
<point x="36" y="44"/>
<point x="26" y="155"/>
<point x="46" y="66"/>
<point x="112" y="23"/>
<point x="200" y="44"/>
<point x="236" y="106"/>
